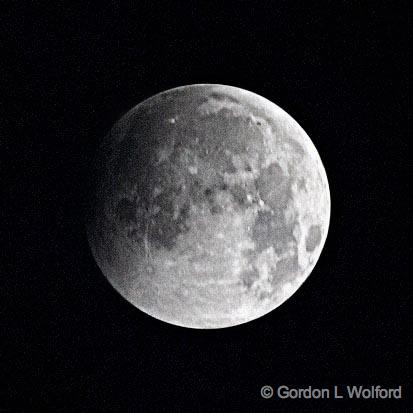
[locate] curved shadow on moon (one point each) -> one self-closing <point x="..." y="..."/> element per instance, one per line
<point x="211" y="206"/>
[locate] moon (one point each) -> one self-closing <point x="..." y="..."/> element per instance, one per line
<point x="210" y="206"/>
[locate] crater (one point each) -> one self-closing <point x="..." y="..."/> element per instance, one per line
<point x="313" y="238"/>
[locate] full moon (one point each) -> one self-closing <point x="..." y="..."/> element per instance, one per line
<point x="210" y="206"/>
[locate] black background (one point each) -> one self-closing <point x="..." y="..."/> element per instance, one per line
<point x="339" y="68"/>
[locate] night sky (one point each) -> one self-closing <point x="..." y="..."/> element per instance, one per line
<point x="72" y="343"/>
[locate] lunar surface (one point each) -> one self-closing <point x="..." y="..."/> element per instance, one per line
<point x="211" y="206"/>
